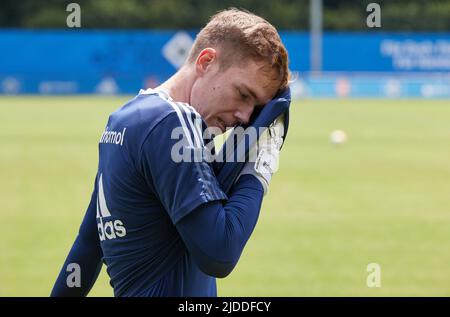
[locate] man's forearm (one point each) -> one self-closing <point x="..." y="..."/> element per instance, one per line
<point x="215" y="234"/>
<point x="88" y="258"/>
<point x="86" y="253"/>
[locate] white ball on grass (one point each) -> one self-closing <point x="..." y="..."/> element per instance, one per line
<point x="338" y="137"/>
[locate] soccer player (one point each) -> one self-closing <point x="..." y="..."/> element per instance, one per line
<point x="162" y="226"/>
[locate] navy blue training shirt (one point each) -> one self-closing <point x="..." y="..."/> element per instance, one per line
<point x="143" y="192"/>
<point x="157" y="218"/>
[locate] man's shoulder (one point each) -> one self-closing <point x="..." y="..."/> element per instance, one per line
<point x="150" y="107"/>
<point x="142" y="110"/>
<point x="154" y="113"/>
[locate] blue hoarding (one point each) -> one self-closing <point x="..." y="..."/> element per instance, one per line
<point x="110" y="61"/>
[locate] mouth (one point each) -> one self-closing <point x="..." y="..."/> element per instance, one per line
<point x="222" y="124"/>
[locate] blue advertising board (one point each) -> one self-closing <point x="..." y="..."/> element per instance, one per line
<point x="116" y="61"/>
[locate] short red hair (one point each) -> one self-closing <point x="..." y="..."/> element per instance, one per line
<point x="240" y="35"/>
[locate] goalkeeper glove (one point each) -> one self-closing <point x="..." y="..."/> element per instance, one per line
<point x="226" y="167"/>
<point x="264" y="155"/>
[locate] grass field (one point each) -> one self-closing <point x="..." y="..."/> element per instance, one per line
<point x="383" y="197"/>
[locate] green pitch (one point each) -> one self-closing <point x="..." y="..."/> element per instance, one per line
<point x="383" y="197"/>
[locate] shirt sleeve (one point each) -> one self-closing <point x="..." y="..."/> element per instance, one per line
<point x="176" y="166"/>
<point x="216" y="234"/>
<point x="85" y="252"/>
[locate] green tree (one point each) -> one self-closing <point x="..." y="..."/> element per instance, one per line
<point x="340" y="15"/>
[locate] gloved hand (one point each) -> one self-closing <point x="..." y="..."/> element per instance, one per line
<point x="274" y="115"/>
<point x="264" y="155"/>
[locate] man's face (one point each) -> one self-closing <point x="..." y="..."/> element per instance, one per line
<point x="225" y="98"/>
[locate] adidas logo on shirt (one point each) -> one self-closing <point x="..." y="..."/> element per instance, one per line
<point x="107" y="230"/>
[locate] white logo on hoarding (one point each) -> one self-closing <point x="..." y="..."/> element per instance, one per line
<point x="177" y="49"/>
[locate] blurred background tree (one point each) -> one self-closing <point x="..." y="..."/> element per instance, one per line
<point x="339" y="15"/>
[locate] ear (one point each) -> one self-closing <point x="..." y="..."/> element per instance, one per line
<point x="205" y="60"/>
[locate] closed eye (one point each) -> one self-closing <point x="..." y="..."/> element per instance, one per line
<point x="244" y="96"/>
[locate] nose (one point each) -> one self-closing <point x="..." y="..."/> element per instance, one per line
<point x="243" y="114"/>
